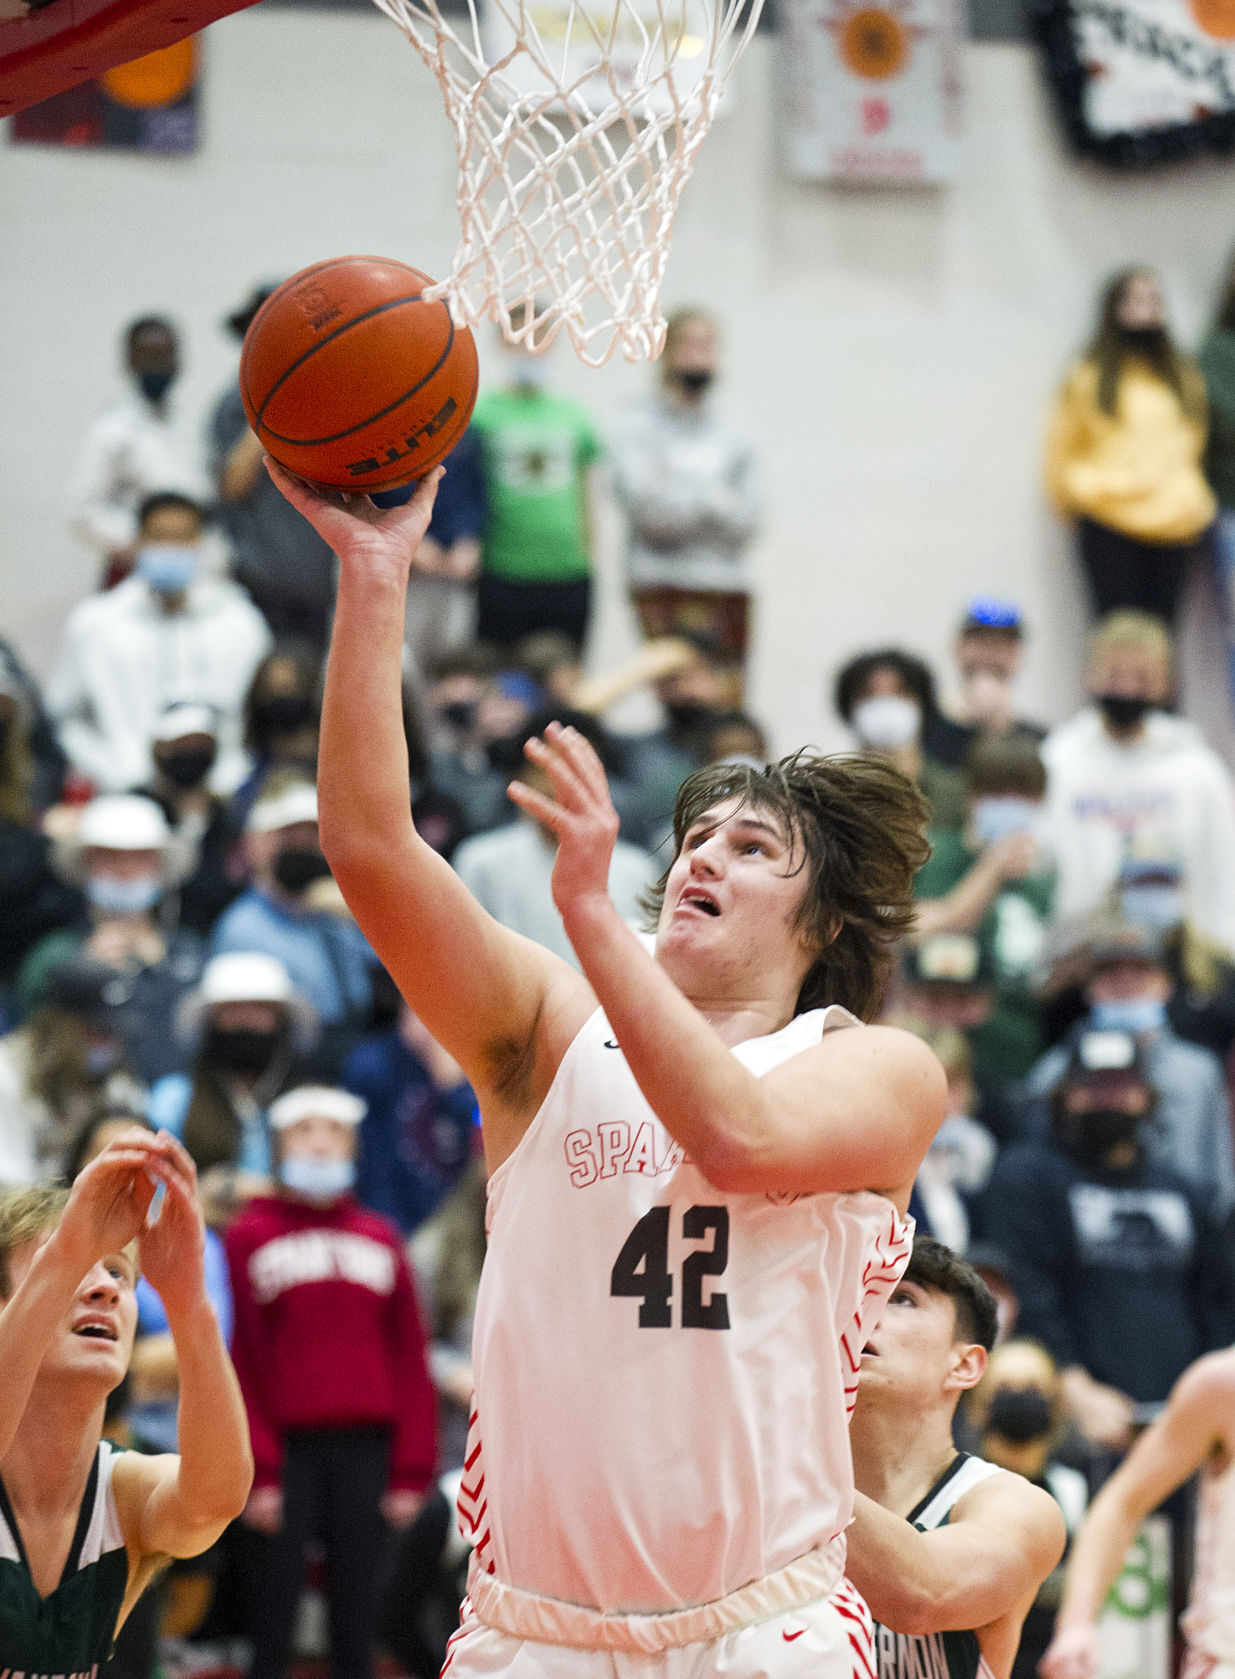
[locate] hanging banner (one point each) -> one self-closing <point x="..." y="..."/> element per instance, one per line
<point x="148" y="105"/>
<point x="1141" y="81"/>
<point x="875" y="90"/>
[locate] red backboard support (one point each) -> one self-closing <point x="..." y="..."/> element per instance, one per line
<point x="69" y="41"/>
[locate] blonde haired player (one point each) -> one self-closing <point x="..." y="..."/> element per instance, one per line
<point x="1196" y="1430"/>
<point x="699" y="1174"/>
<point x="82" y="1526"/>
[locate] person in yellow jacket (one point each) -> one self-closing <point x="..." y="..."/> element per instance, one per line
<point x="1125" y="453"/>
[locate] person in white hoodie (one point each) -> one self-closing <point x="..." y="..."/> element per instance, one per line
<point x="1127" y="779"/>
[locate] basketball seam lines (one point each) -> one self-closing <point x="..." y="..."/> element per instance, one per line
<point x="380" y="309"/>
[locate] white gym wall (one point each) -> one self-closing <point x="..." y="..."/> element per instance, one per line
<point x="893" y="350"/>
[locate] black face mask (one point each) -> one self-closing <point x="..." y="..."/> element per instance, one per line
<point x="1122" y="711"/>
<point x="694" y="381"/>
<point x="298" y="866"/>
<point x="242" y="1049"/>
<point x="1146" y="339"/>
<point x="283" y="715"/>
<point x="1090" y="1136"/>
<point x="689" y="717"/>
<point x="6" y="729"/>
<point x="1019" y="1414"/>
<point x="155" y="386"/>
<point x="459" y="714"/>
<point x="187" y="769"/>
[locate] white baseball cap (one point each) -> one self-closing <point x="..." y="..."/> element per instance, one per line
<point x="297" y="803"/>
<point x="316" y="1101"/>
<point x="248" y="976"/>
<point x="180" y="720"/>
<point x="123" y="822"/>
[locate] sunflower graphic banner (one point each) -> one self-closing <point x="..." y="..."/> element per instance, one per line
<point x="1141" y="82"/>
<point x="875" y="90"/>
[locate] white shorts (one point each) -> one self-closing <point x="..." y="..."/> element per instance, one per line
<point x="831" y="1638"/>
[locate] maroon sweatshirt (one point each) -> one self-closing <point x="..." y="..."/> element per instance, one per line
<point x="327" y="1332"/>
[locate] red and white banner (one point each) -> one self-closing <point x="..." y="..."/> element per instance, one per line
<point x="875" y="90"/>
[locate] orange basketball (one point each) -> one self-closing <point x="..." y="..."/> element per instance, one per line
<point x="351" y="379"/>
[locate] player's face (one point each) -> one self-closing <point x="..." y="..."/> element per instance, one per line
<point x="736" y="885"/>
<point x="914" y="1349"/>
<point x="95" y="1340"/>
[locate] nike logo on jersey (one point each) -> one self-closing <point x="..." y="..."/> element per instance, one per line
<point x="612" y="1043"/>
<point x="790" y="1636"/>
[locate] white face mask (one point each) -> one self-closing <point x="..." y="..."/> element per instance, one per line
<point x="887" y="721"/>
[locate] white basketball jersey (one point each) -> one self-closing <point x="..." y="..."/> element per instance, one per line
<point x="1209" y="1624"/>
<point x="664" y="1372"/>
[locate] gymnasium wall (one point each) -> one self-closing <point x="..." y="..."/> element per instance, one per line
<point x="894" y="350"/>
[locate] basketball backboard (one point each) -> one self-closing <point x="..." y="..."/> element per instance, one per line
<point x="51" y="45"/>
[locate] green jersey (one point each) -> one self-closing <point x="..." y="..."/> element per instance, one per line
<point x="936" y="1655"/>
<point x="535" y="450"/>
<point x="69" y="1633"/>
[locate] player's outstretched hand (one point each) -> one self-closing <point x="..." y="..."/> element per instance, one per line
<point x="580" y="813"/>
<point x="173" y="1246"/>
<point x="354" y="528"/>
<point x="110" y="1200"/>
<point x="1073" y="1654"/>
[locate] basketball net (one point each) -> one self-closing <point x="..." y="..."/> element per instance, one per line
<point x="576" y="133"/>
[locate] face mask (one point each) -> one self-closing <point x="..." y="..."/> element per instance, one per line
<point x="241" y="1048"/>
<point x="1157" y="907"/>
<point x="688" y="716"/>
<point x="995" y="818"/>
<point x="1019" y="1414"/>
<point x="887" y="721"/>
<point x="168" y="568"/>
<point x="1143" y="338"/>
<point x="1122" y="711"/>
<point x="298" y="866"/>
<point x="694" y="381"/>
<point x="101" y="1058"/>
<point x="283" y="715"/>
<point x="155" y="386"/>
<point x="6" y="729"/>
<point x="1090" y="1136"/>
<point x="318" y="1180"/>
<point x="123" y="897"/>
<point x="459" y="714"/>
<point x="187" y="769"/>
<point x="1135" y="1015"/>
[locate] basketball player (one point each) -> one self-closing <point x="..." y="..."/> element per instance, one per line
<point x="699" y="1174"/>
<point x="948" y="1551"/>
<point x="1195" y="1430"/>
<point x="83" y="1526"/>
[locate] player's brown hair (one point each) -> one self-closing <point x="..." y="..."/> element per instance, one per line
<point x="932" y="1265"/>
<point x="858" y="827"/>
<point x="25" y="1215"/>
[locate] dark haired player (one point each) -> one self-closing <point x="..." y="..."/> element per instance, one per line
<point x="83" y="1527"/>
<point x="699" y="1174"/>
<point x="949" y="1551"/>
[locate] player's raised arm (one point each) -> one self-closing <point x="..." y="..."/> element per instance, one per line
<point x="1193" y="1425"/>
<point x="104" y="1212"/>
<point x="735" y="950"/>
<point x="480" y="989"/>
<point x="1000" y="1543"/>
<point x="180" y="1504"/>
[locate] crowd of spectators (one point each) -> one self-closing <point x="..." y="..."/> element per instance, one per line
<point x="174" y="952"/>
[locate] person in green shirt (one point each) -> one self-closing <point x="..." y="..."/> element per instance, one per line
<point x="538" y="451"/>
<point x="992" y="880"/>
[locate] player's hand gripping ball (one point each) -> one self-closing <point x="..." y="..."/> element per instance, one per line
<point x="351" y="380"/>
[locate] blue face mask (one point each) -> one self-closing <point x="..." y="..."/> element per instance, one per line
<point x="168" y="567"/>
<point x="318" y="1180"/>
<point x="1156" y="907"/>
<point x="997" y="816"/>
<point x="123" y="897"/>
<point x="1135" y="1015"/>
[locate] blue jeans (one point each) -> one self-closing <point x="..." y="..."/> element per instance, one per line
<point x="1224" y="561"/>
